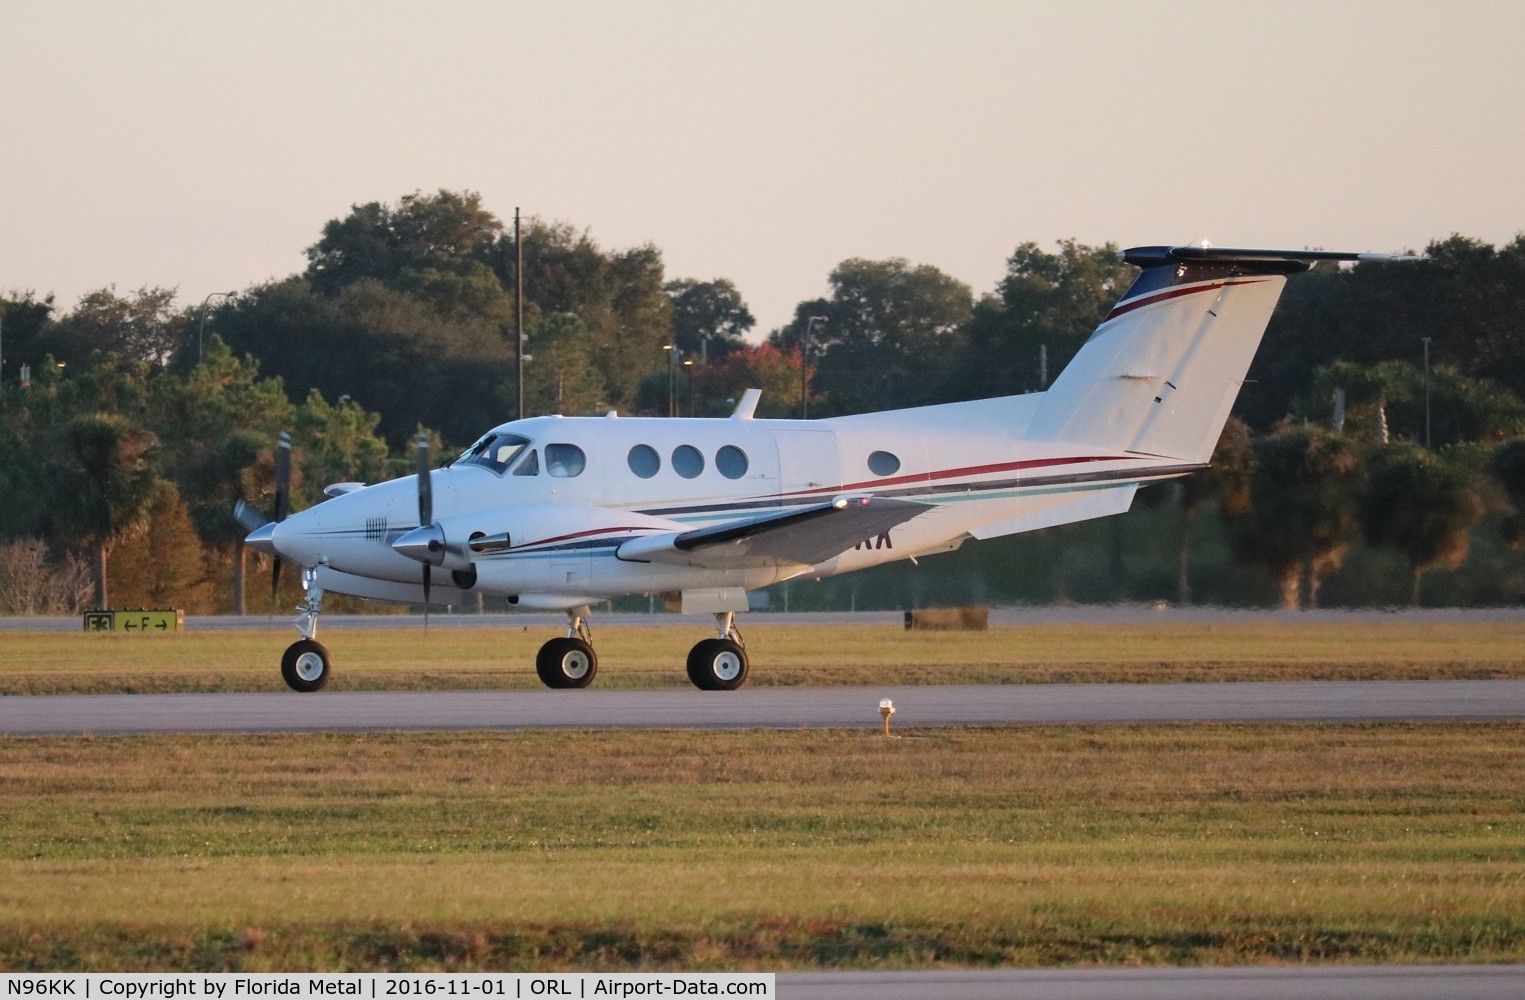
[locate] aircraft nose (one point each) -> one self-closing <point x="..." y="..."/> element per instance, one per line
<point x="426" y="544"/>
<point x="262" y="539"/>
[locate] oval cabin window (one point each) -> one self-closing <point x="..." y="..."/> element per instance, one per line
<point x="644" y="461"/>
<point x="687" y="462"/>
<point x="731" y="461"/>
<point x="882" y="463"/>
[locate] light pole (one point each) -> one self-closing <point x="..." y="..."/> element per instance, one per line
<point x="688" y="371"/>
<point x="519" y="313"/>
<point x="673" y="354"/>
<point x="805" y="365"/>
<point x="202" y="329"/>
<point x="1426" y="390"/>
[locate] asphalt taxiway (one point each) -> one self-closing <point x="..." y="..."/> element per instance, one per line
<point x="767" y="708"/>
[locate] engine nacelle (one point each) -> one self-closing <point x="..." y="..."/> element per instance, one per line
<point x="534" y="548"/>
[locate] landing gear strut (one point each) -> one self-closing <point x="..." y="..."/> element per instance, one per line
<point x="305" y="666"/>
<point x="719" y="664"/>
<point x="569" y="662"/>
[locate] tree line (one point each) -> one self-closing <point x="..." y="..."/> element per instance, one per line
<point x="1383" y="410"/>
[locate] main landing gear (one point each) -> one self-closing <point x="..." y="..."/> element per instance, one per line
<point x="305" y="666"/>
<point x="569" y="662"/>
<point x="718" y="664"/>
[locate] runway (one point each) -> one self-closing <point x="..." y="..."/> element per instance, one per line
<point x="1443" y="982"/>
<point x="768" y="708"/>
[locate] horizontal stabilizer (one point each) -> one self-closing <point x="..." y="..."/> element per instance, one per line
<point x="1063" y="509"/>
<point x="800" y="537"/>
<point x="1274" y="261"/>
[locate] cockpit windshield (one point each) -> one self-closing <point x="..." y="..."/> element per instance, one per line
<point x="496" y="452"/>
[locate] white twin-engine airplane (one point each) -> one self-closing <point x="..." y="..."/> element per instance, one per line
<point x="561" y="513"/>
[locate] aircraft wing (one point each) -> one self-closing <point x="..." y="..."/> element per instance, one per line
<point x="800" y="537"/>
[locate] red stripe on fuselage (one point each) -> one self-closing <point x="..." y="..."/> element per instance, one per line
<point x="968" y="470"/>
<point x="925" y="477"/>
<point x="1173" y="293"/>
<point x="584" y="534"/>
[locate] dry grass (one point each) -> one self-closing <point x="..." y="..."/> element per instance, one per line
<point x="50" y="663"/>
<point x="1027" y="846"/>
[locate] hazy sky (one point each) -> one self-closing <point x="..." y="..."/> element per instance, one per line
<point x="203" y="145"/>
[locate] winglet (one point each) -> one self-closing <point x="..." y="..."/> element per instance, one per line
<point x="747" y="407"/>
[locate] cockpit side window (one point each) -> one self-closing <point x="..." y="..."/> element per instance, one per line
<point x="529" y="465"/>
<point x="495" y="452"/>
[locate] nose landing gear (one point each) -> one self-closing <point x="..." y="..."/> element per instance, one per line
<point x="306" y="665"/>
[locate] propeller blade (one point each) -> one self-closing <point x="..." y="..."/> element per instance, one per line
<point x="250" y="516"/>
<point x="425" y="484"/>
<point x="282" y="504"/>
<point x="283" y="477"/>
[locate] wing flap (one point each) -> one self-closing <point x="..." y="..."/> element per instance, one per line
<point x="803" y="536"/>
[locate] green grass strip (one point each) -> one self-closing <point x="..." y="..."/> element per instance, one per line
<point x="765" y="850"/>
<point x="483" y="658"/>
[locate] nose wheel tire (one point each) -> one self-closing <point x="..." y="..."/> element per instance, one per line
<point x="566" y="663"/>
<point x="305" y="666"/>
<point x="717" y="665"/>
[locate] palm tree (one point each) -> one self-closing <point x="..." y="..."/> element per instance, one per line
<point x="1421" y="505"/>
<point x="106" y="485"/>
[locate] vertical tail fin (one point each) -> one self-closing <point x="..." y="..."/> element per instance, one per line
<point x="1162" y="370"/>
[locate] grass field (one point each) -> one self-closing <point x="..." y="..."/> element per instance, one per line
<point x="767" y="850"/>
<point x="678" y="850"/>
<point x="54" y="663"/>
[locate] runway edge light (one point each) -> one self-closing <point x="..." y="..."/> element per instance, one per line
<point x="886" y="709"/>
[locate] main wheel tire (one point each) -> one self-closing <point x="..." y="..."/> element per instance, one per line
<point x="717" y="665"/>
<point x="305" y="666"/>
<point x="566" y="663"/>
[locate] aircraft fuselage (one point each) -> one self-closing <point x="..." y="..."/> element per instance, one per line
<point x="555" y="530"/>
